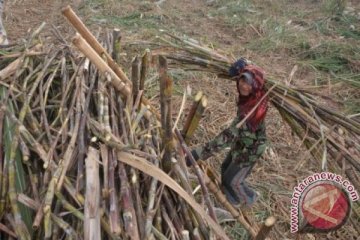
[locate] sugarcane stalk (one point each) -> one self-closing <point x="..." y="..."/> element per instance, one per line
<point x="86" y="34"/>
<point x="92" y="228"/>
<point x="31" y="53"/>
<point x="64" y="226"/>
<point x="4" y="189"/>
<point x="62" y="132"/>
<point x="47" y="223"/>
<point x="158" y="234"/>
<point x="150" y="211"/>
<point x="34" y="205"/>
<point x="64" y="111"/>
<point x="90" y="53"/>
<point x="185" y="235"/>
<point x="181" y="175"/>
<point x="34" y="183"/>
<point x="116" y="45"/>
<point x="21" y="230"/>
<point x="114" y="210"/>
<point x="138" y="203"/>
<point x="195" y="218"/>
<point x="144" y="68"/>
<point x="25" y="152"/>
<point x="158" y="220"/>
<point x="104" y="153"/>
<point x="145" y="166"/>
<point x="108" y="138"/>
<point x="170" y="224"/>
<point x="135" y="76"/>
<point x="129" y="215"/>
<point x="56" y="229"/>
<point x="266" y="228"/>
<point x="166" y="120"/>
<point x="103" y="118"/>
<point x="203" y="49"/>
<point x="118" y="83"/>
<point x="82" y="131"/>
<point x="71" y="147"/>
<point x="196" y="234"/>
<point x="43" y="105"/>
<point x="196" y="119"/>
<point x="191" y="112"/>
<point x="7" y="230"/>
<point x="39" y="216"/>
<point x="68" y="206"/>
<point x="81" y="201"/>
<point x="113" y="200"/>
<point x="186" y="215"/>
<point x="48" y="202"/>
<point x="2" y="118"/>
<point x="171" y="210"/>
<point x="26" y="135"/>
<point x="198" y="174"/>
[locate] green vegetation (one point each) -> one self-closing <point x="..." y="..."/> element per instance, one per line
<point x="345" y="26"/>
<point x="233" y="12"/>
<point x="236" y="231"/>
<point x="334" y="7"/>
<point x="132" y="20"/>
<point x="137" y="18"/>
<point x="332" y="57"/>
<point x="279" y="37"/>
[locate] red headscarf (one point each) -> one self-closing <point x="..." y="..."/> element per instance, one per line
<point x="246" y="104"/>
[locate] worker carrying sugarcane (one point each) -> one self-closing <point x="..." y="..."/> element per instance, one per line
<point x="246" y="142"/>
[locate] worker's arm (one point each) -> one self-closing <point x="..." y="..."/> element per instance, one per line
<point x="220" y="142"/>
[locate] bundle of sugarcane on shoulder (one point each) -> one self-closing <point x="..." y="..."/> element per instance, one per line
<point x="329" y="135"/>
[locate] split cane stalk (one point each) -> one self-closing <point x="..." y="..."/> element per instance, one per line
<point x="92" y="197"/>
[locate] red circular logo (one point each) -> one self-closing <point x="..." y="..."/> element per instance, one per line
<point x="325" y="206"/>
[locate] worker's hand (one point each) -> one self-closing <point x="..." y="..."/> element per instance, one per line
<point x="237" y="67"/>
<point x="195" y="156"/>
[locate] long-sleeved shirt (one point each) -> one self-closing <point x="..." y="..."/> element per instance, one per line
<point x="245" y="145"/>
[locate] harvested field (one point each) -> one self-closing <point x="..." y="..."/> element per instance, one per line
<point x="61" y="110"/>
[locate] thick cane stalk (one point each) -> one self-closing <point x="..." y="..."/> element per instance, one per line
<point x="166" y="120"/>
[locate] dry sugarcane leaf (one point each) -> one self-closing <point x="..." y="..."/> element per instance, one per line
<point x="10" y="69"/>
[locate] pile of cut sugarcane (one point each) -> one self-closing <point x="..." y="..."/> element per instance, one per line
<point x="86" y="156"/>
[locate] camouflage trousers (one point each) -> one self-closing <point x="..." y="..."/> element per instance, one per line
<point x="246" y="147"/>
